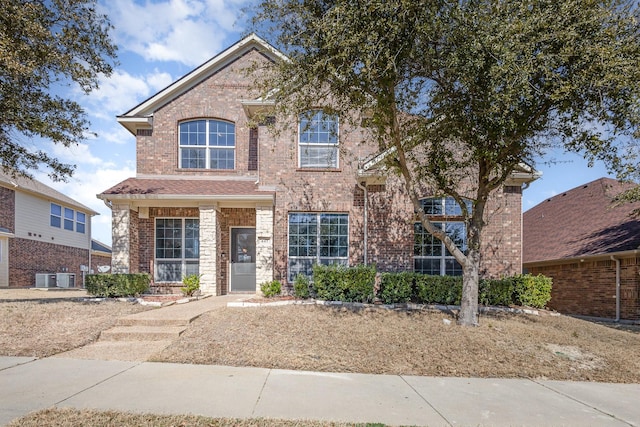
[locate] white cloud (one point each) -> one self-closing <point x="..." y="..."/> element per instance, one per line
<point x="187" y="31"/>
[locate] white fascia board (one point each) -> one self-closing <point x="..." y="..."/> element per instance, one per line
<point x="196" y="76"/>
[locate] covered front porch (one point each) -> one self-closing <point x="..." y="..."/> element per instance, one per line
<point x="225" y="236"/>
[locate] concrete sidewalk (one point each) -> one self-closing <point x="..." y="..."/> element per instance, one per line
<point x="218" y="391"/>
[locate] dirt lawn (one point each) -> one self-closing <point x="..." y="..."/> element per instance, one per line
<point x="321" y="338"/>
<point x="39" y="323"/>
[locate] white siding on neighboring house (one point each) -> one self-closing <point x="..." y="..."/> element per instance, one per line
<point x="33" y="221"/>
<point x="4" y="261"/>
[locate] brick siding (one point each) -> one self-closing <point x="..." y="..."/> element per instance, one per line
<point x="275" y="156"/>
<point x="589" y="288"/>
<point x="28" y="257"/>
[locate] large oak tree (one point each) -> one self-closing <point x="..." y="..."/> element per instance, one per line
<point x="466" y="92"/>
<point x="47" y="46"/>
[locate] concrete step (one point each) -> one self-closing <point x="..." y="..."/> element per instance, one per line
<point x="133" y="321"/>
<point x="142" y="333"/>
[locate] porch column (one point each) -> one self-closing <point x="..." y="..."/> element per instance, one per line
<point x="121" y="242"/>
<point x="264" y="245"/>
<point x="209" y="239"/>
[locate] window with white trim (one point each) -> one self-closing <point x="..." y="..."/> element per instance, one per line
<point x="56" y="215"/>
<point x="317" y="238"/>
<point x="67" y="218"/>
<point x="207" y="144"/>
<point x="318" y="140"/>
<point x="177" y="248"/>
<point x="81" y="221"/>
<point x="430" y="256"/>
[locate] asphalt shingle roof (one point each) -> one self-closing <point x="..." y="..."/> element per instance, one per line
<point x="185" y="187"/>
<point x="36" y="187"/>
<point x="583" y="221"/>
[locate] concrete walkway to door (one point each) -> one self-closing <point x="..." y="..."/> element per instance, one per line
<point x="137" y="336"/>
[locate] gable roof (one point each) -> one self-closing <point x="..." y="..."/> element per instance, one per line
<point x="584" y="221"/>
<point x="100" y="247"/>
<point x="141" y="116"/>
<point x="37" y="188"/>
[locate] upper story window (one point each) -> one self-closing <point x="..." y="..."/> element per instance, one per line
<point x="207" y="144"/>
<point x="318" y="140"/>
<point x="61" y="217"/>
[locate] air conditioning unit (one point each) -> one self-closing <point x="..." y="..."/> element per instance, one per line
<point x="45" y="280"/>
<point x="65" y="280"/>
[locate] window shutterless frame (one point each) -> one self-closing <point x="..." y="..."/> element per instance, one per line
<point x="316" y="238"/>
<point x="177" y="248"/>
<point x="318" y="140"/>
<point x="206" y="144"/>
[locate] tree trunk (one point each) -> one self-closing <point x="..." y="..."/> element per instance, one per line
<point x="470" y="277"/>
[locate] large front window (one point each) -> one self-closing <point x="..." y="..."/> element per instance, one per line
<point x="317" y="238"/>
<point x="177" y="248"/>
<point x="318" y="144"/>
<point x="429" y="254"/>
<point x="207" y="144"/>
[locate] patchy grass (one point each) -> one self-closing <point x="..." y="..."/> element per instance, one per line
<point x="411" y="343"/>
<point x="72" y="417"/>
<point x="47" y="326"/>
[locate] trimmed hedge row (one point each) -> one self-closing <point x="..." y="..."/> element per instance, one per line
<point x="357" y="284"/>
<point x="117" y="285"/>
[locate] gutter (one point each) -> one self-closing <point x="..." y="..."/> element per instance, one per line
<point x="617" y="261"/>
<point x="366" y="214"/>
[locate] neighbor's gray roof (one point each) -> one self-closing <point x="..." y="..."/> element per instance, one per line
<point x="35" y="187"/>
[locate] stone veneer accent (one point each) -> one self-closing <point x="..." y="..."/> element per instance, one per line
<point x="121" y="242"/>
<point x="209" y="240"/>
<point x="264" y="245"/>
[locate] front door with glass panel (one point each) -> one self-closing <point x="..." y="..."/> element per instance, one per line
<point x="243" y="260"/>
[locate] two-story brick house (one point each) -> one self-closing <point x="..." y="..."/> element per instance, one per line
<point x="218" y="194"/>
<point x="45" y="236"/>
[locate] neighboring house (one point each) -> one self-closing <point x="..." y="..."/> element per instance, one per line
<point x="45" y="236"/>
<point x="589" y="245"/>
<point x="218" y="194"/>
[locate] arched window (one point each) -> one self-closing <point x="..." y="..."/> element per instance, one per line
<point x="207" y="144"/>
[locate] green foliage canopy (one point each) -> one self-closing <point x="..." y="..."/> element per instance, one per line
<point x="43" y="45"/>
<point x="465" y="92"/>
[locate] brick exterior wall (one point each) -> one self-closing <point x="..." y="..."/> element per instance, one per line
<point x="28" y="257"/>
<point x="97" y="260"/>
<point x="218" y="97"/>
<point x="391" y="216"/>
<point x="589" y="288"/>
<point x="7" y="209"/>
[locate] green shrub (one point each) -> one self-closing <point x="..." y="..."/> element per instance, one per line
<point x="301" y="286"/>
<point x="191" y="284"/>
<point x="532" y="291"/>
<point x="396" y="287"/>
<point x="117" y="285"/>
<point x="496" y="291"/>
<point x="271" y="289"/>
<point x="437" y="289"/>
<point x="347" y="284"/>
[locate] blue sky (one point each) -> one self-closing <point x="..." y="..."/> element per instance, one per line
<point x="161" y="40"/>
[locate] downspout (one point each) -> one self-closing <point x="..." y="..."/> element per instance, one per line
<point x="617" y="261"/>
<point x="366" y="210"/>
